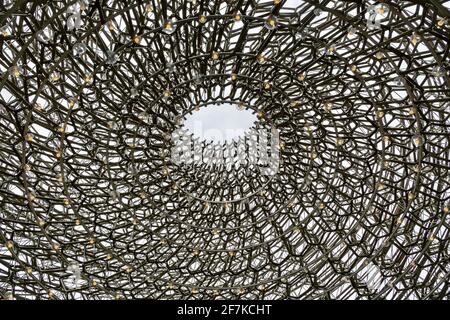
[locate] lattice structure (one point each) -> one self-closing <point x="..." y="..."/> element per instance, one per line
<point x="93" y="208"/>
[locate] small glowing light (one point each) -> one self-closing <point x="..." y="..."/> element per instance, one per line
<point x="231" y="253"/>
<point x="202" y="19"/>
<point x="15" y="71"/>
<point x="234" y="76"/>
<point x="380" y="186"/>
<point x="237" y="17"/>
<point x="441" y="22"/>
<point x="28" y="270"/>
<point x="55" y="76"/>
<point x="111" y="26"/>
<point x="417" y="140"/>
<point x="351" y="32"/>
<point x="271" y="22"/>
<point x="331" y="49"/>
<point x="29" y="137"/>
<point x="169" y="26"/>
<point x="72" y="101"/>
<point x="379" y="55"/>
<point x="415" y="38"/>
<point x="261" y="59"/>
<point x="4" y="31"/>
<point x="301" y="77"/>
<point x="267" y="85"/>
<point x="380" y="114"/>
<point x="9" y="244"/>
<point x="215" y="55"/>
<point x="381" y="9"/>
<point x="354" y="68"/>
<point x="88" y="79"/>
<point x="167" y="93"/>
<point x="137" y="39"/>
<point x="148" y="8"/>
<point x="66" y="201"/>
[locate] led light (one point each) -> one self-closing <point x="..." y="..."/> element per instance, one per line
<point x="351" y="33"/>
<point x="261" y="59"/>
<point x="202" y="19"/>
<point x="415" y="38"/>
<point x="331" y="49"/>
<point x="441" y="22"/>
<point x="215" y="55"/>
<point x="148" y="8"/>
<point x="29" y="137"/>
<point x="271" y="22"/>
<point x="111" y="26"/>
<point x="169" y="26"/>
<point x="137" y="39"/>
<point x="379" y="55"/>
<point x="340" y="141"/>
<point x="417" y="140"/>
<point x="88" y="79"/>
<point x="55" y="76"/>
<point x="15" y="71"/>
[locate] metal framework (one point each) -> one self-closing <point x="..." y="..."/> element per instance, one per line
<point x="92" y="207"/>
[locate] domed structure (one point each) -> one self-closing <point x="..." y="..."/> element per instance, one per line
<point x="351" y="203"/>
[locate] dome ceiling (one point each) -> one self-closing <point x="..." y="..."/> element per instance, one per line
<point x="94" y="207"/>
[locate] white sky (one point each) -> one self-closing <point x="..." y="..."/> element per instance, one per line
<point x="219" y="123"/>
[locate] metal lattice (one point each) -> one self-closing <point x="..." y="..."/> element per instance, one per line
<point x="93" y="208"/>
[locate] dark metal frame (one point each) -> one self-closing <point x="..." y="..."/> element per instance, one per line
<point x="357" y="211"/>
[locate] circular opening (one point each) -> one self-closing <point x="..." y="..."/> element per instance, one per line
<point x="220" y="123"/>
